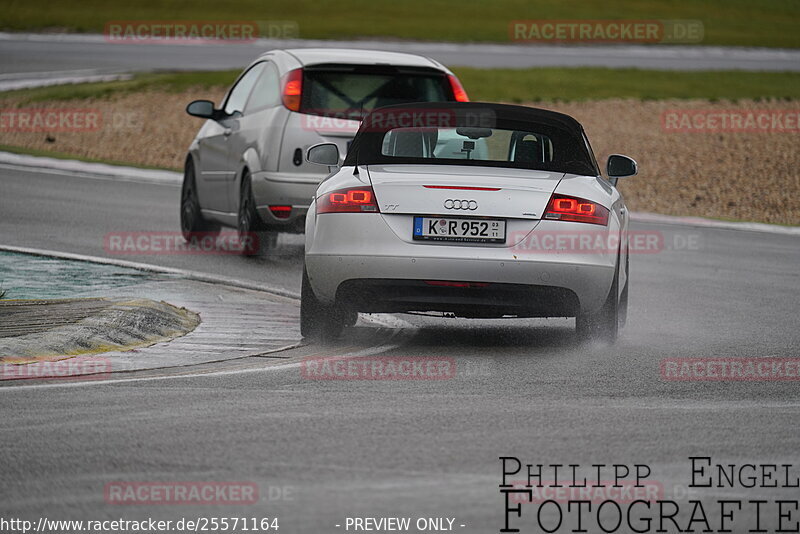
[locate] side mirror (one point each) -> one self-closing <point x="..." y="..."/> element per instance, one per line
<point x="203" y="109"/>
<point x="619" y="166"/>
<point x="323" y="154"/>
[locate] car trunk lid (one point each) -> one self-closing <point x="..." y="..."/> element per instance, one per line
<point x="488" y="191"/>
<point x="407" y="193"/>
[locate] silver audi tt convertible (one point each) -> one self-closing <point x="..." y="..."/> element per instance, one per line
<point x="470" y="209"/>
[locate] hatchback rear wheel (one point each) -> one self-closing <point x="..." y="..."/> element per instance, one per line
<point x="249" y="225"/>
<point x="192" y="221"/>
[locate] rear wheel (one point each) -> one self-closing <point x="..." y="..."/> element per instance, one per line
<point x="269" y="239"/>
<point x="248" y="223"/>
<point x="317" y="320"/>
<point x="623" y="299"/>
<point x="192" y="220"/>
<point x="602" y="325"/>
<point x="350" y="318"/>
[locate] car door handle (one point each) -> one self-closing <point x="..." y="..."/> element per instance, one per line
<point x="226" y="132"/>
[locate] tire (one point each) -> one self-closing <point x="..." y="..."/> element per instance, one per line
<point x="192" y="220"/>
<point x="602" y="325"/>
<point x="318" y="321"/>
<point x="350" y="318"/>
<point x="248" y="222"/>
<point x="269" y="239"/>
<point x="623" y="299"/>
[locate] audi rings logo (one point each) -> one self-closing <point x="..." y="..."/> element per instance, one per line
<point x="451" y="204"/>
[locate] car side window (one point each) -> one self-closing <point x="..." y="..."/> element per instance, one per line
<point x="266" y="92"/>
<point x="238" y="95"/>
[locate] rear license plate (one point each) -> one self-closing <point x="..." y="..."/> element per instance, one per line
<point x="460" y="230"/>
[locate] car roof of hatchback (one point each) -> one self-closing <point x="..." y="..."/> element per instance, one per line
<point x="313" y="56"/>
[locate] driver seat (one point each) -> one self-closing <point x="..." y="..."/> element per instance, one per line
<point x="528" y="151"/>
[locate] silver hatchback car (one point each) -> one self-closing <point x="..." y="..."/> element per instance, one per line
<point x="246" y="167"/>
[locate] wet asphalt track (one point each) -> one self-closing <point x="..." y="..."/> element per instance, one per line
<point x="333" y="449"/>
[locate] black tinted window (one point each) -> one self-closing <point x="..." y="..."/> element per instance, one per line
<point x="342" y="92"/>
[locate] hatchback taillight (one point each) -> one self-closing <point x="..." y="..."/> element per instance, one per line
<point x="458" y="90"/>
<point x="564" y="208"/>
<point x="350" y="200"/>
<point x="281" y="212"/>
<point x="292" y="89"/>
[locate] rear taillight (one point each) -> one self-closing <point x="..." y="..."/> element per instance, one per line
<point x="458" y="90"/>
<point x="281" y="212"/>
<point x="351" y="200"/>
<point x="292" y="89"/>
<point x="563" y="208"/>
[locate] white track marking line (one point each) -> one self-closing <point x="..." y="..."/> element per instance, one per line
<point x="141" y="177"/>
<point x="657" y="218"/>
<point x="371" y="351"/>
<point x="380" y="319"/>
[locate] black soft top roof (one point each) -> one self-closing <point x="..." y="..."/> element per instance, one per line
<point x="366" y="145"/>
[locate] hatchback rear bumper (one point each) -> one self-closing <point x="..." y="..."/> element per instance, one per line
<point x="284" y="189"/>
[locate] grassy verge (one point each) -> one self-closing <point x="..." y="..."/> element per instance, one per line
<point x="771" y="23"/>
<point x="506" y="85"/>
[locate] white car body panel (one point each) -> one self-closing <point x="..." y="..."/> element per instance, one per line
<point x="522" y="193"/>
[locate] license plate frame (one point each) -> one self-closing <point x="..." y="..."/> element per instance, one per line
<point x="418" y="229"/>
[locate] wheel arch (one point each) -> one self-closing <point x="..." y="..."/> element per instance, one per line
<point x="249" y="163"/>
<point x="191" y="157"/>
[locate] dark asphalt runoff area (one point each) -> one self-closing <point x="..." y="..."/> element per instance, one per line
<point x="321" y="451"/>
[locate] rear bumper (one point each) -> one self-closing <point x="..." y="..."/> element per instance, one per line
<point x="358" y="260"/>
<point x="493" y="300"/>
<point x="284" y="189"/>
